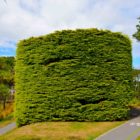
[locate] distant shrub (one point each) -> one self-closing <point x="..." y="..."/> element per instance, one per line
<point x="73" y="75"/>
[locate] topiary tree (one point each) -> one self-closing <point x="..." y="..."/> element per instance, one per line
<point x="73" y="75"/>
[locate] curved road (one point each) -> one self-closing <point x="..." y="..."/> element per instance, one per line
<point x="128" y="131"/>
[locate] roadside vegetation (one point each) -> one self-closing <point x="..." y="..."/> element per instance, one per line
<point x="6" y="90"/>
<point x="136" y="73"/>
<point x="135" y="102"/>
<point x="7" y="111"/>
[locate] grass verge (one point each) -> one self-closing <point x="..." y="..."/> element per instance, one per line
<point x="60" y="131"/>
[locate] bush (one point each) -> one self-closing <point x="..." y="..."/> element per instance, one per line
<point x="80" y="75"/>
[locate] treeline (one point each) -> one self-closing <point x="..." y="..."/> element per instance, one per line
<point x="6" y="80"/>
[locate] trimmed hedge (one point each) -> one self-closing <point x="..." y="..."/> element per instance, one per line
<point x="73" y="75"/>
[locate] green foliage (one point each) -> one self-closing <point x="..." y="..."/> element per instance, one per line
<point x="136" y="82"/>
<point x="135" y="102"/>
<point x="7" y="70"/>
<point x="6" y="78"/>
<point x="4" y="93"/>
<point x="4" y="90"/>
<point x="137" y="33"/>
<point x="81" y="75"/>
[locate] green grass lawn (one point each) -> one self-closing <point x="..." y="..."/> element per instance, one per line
<point x="60" y="131"/>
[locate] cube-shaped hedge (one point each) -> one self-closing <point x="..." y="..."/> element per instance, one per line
<point x="73" y="75"/>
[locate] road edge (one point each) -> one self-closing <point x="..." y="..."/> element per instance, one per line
<point x="111" y="130"/>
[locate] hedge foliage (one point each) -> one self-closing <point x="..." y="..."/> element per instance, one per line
<point x="73" y="75"/>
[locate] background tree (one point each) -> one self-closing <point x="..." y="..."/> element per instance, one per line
<point x="136" y="72"/>
<point x="6" y="78"/>
<point x="136" y="82"/>
<point x="4" y="94"/>
<point x="137" y="33"/>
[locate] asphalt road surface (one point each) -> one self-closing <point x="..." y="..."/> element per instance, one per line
<point x="128" y="131"/>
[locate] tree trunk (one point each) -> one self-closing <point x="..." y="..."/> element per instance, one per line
<point x="4" y="103"/>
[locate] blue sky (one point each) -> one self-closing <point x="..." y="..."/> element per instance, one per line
<point x="20" y="19"/>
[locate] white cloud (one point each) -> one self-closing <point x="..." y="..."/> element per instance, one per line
<point x="21" y="19"/>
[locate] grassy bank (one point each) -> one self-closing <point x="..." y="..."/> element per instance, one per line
<point x="60" y="131"/>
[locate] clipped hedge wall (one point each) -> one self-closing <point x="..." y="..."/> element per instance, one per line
<point x="73" y="75"/>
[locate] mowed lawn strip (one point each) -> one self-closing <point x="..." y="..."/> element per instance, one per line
<point x="61" y="131"/>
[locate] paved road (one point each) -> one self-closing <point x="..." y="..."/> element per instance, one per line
<point x="128" y="131"/>
<point x="7" y="128"/>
